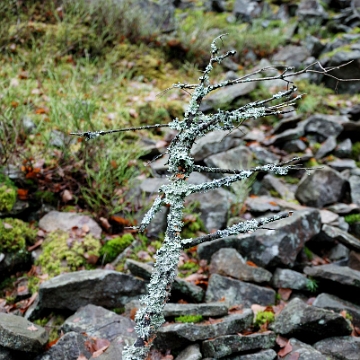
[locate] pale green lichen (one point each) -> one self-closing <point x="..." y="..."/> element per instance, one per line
<point x="61" y="253"/>
<point x="14" y="234"/>
<point x="7" y="198"/>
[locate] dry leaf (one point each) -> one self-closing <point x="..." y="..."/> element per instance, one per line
<point x="284" y="293"/>
<point x="32" y="328"/>
<point x="82" y="357"/>
<point x="285" y="350"/>
<point x="66" y="196"/>
<point x="105" y="223"/>
<point x="7" y="226"/>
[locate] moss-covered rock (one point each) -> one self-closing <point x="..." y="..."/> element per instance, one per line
<point x="62" y="253"/>
<point x="14" y="234"/>
<point x="7" y="197"/>
<point x="115" y="246"/>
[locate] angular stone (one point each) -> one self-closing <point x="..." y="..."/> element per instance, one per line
<point x="332" y="302"/>
<point x="290" y="279"/>
<point x="334" y="233"/>
<point x="228" y="262"/>
<point x="321" y="187"/>
<point x="261" y="204"/>
<point x="55" y="220"/>
<point x="305" y="351"/>
<point x="340" y="348"/>
<point x="152" y="185"/>
<point x="338" y="252"/>
<point x="237" y="292"/>
<point x="309" y="323"/>
<point x="106" y="288"/>
<point x="269" y="248"/>
<point x="174" y="336"/>
<point x="326" y="147"/>
<point x="328" y="217"/>
<point x="264" y="156"/>
<point x="17" y="333"/>
<point x="342" y="164"/>
<point x="209" y="309"/>
<point x="192" y="352"/>
<point x="343" y="150"/>
<point x="215" y="142"/>
<point x="227" y="345"/>
<point x="69" y="347"/>
<point x="325" y="125"/>
<point x="354" y="182"/>
<point x="354" y="260"/>
<point x="100" y="323"/>
<point x="273" y="183"/>
<point x="268" y="354"/>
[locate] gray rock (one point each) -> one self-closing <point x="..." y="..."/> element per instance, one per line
<point x="264" y="156"/>
<point x="333" y="233"/>
<point x="115" y="349"/>
<point x="343" y="209"/>
<point x="237" y="292"/>
<point x="268" y="354"/>
<point x="100" y="323"/>
<point x="305" y="351"/>
<point x="17" y="333"/>
<point x="226" y="95"/>
<point x="321" y="187"/>
<point x="209" y="309"/>
<point x="69" y="347"/>
<point x="262" y="204"/>
<point x="157" y="226"/>
<point x="290" y="279"/>
<point x="292" y="55"/>
<point x="309" y="323"/>
<point x="274" y="183"/>
<point x="151" y="185"/>
<point x="294" y="146"/>
<point x="339" y="252"/>
<point x="328" y="217"/>
<point x="354" y="182"/>
<point x="311" y="12"/>
<point x="13" y="262"/>
<point x="227" y="345"/>
<point x="287" y="135"/>
<point x="192" y="352"/>
<point x="246" y="10"/>
<point x="340" y="348"/>
<point x="174" y="336"/>
<point x="314" y="45"/>
<point x="56" y="220"/>
<point x="271" y="247"/>
<point x="332" y="302"/>
<point x="354" y="260"/>
<point x="343" y="149"/>
<point x="228" y="262"/>
<point x="325" y="125"/>
<point x="326" y="147"/>
<point x="342" y="164"/>
<point x="214" y="143"/>
<point x="28" y="124"/>
<point x="106" y="288"/>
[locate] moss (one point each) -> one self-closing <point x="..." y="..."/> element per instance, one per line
<point x="189" y="318"/>
<point x="355" y="151"/>
<point x="263" y="317"/>
<point x="316" y="147"/>
<point x="115" y="246"/>
<point x="291" y="180"/>
<point x="63" y="254"/>
<point x="188" y="268"/>
<point x="274" y="193"/>
<point x="352" y="218"/>
<point x="7" y="197"/>
<point x="14" y="234"/>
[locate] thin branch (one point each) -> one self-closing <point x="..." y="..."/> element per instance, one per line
<point x="239" y="228"/>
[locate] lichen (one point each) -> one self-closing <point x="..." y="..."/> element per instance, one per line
<point x="114" y="247"/>
<point x="7" y="198"/>
<point x="14" y="234"/>
<point x="61" y="253"/>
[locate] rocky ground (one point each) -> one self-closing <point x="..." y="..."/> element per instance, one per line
<point x="290" y="291"/>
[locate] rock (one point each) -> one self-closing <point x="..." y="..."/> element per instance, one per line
<point x="215" y="142"/>
<point x="273" y="183"/>
<point x="262" y="204"/>
<point x="237" y="292"/>
<point x="339" y="252"/>
<point x="270" y="248"/>
<point x="228" y="262"/>
<point x="226" y="95"/>
<point x="287" y="135"/>
<point x="314" y="45"/>
<point x="192" y="352"/>
<point x="354" y="182"/>
<point x="17" y="333"/>
<point x="332" y="302"/>
<point x="209" y="309"/>
<point x="291" y="55"/>
<point x="343" y="209"/>
<point x="10" y="263"/>
<point x="340" y="348"/>
<point x="321" y="187"/>
<point x="246" y="10"/>
<point x="115" y="349"/>
<point x="69" y="347"/>
<point x="100" y="323"/>
<point x="268" y="354"/>
<point x="311" y="12"/>
<point x="342" y="164"/>
<point x="294" y="146"/>
<point x="106" y="288"/>
<point x="333" y="233"/>
<point x="227" y="345"/>
<point x="175" y="336"/>
<point x="328" y="217"/>
<point x="264" y="156"/>
<point x="332" y="277"/>
<point x="303" y="351"/>
<point x="325" y="125"/>
<point x="151" y="185"/>
<point x="354" y="260"/>
<point x="157" y="226"/>
<point x="309" y="323"/>
<point x="326" y="147"/>
<point x="343" y="149"/>
<point x="290" y="279"/>
<point x="56" y="220"/>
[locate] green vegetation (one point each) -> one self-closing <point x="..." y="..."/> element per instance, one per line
<point x="352" y="218"/>
<point x="188" y="268"/>
<point x="63" y="254"/>
<point x="7" y="198"/>
<point x="189" y="318"/>
<point x="263" y="317"/>
<point x="308" y="253"/>
<point x="114" y="247"/>
<point x="14" y="235"/>
<point x="355" y="151"/>
<point x="312" y="284"/>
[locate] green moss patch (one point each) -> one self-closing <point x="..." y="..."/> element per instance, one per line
<point x="263" y="317"/>
<point x="189" y="318"/>
<point x="7" y="198"/>
<point x="114" y="247"/>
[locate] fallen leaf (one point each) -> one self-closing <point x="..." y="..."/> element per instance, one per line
<point x="105" y="223"/>
<point x="85" y="228"/>
<point x="7" y="226"/>
<point x="285" y="350"/>
<point x="257" y="308"/>
<point x="32" y="328"/>
<point x="36" y="245"/>
<point x="281" y="341"/>
<point x="66" y="196"/>
<point x="22" y="193"/>
<point x="250" y="263"/>
<point x="294" y="356"/>
<point x="284" y="293"/>
<point x="82" y="357"/>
